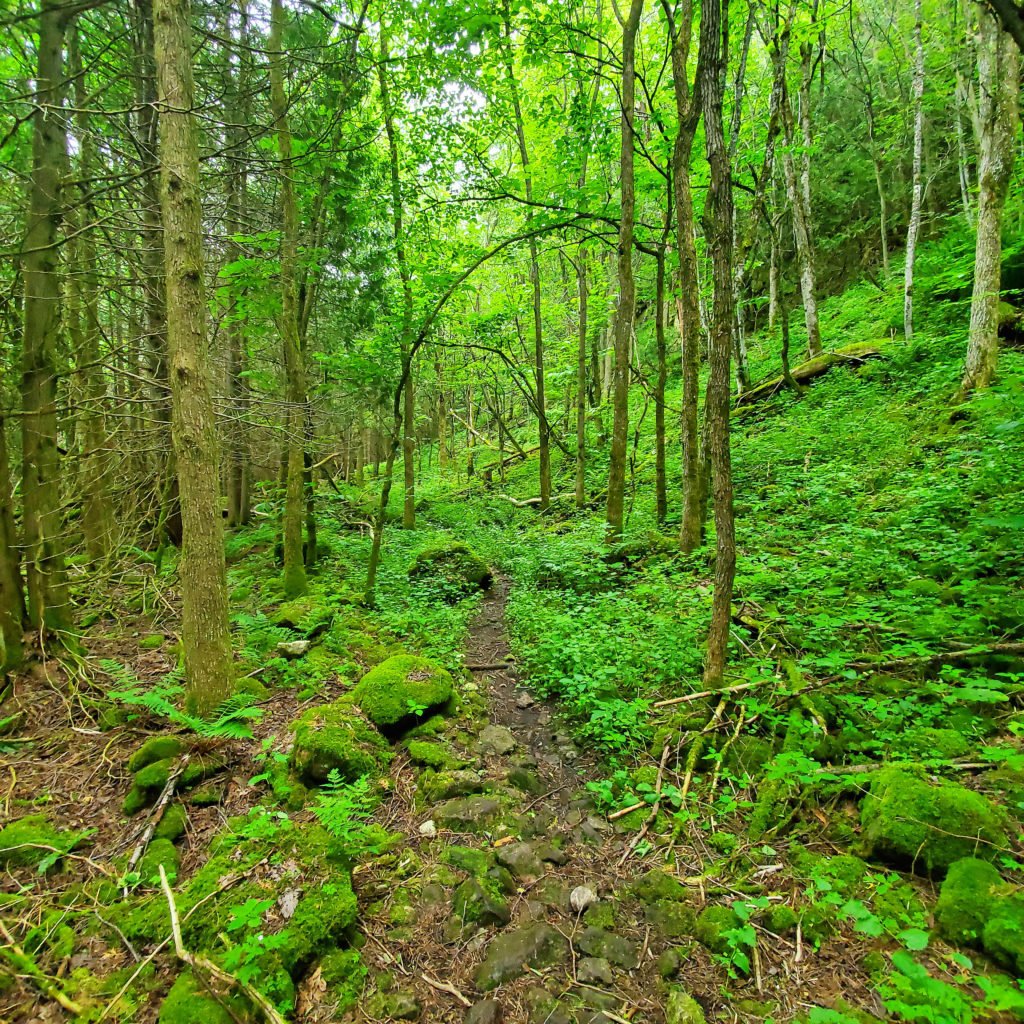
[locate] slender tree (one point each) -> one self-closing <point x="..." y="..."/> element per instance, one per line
<point x="914" y="227"/>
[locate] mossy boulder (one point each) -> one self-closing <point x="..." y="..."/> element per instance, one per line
<point x="189" y="1001"/>
<point x="336" y="737"/>
<point x="400" y="688"/>
<point x="656" y="885"/>
<point x="344" y="974"/>
<point x="682" y="1008"/>
<point x="172" y="824"/>
<point x="156" y="748"/>
<point x="28" y="840"/>
<point x="160" y="851"/>
<point x="908" y="820"/>
<point x="457" y="566"/>
<point x="712" y="924"/>
<point x="309" y="615"/>
<point x="151" y="780"/>
<point x="511" y="954"/>
<point x="431" y="755"/>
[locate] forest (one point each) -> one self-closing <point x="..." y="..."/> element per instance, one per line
<point x="511" y="511"/>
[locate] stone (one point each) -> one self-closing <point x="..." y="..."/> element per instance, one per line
<point x="550" y="854"/>
<point x="476" y="901"/>
<point x="294" y="648"/>
<point x="508" y="956"/>
<point x="600" y="915"/>
<point x="524" y="700"/>
<point x="447" y="785"/>
<point x="522" y="860"/>
<point x="682" y="1008"/>
<point x="496" y="739"/>
<point x="669" y="963"/>
<point x="582" y="897"/>
<point x="600" y="943"/>
<point x="401" y="687"/>
<point x="487" y="1012"/>
<point x="553" y="893"/>
<point x="670" y="919"/>
<point x="395" y="1006"/>
<point x="428" y="829"/>
<point x="542" y="1007"/>
<point x="525" y="781"/>
<point x="467" y="814"/>
<point x="594" y="970"/>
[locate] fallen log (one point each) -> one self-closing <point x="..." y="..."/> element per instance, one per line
<point x="848" y="355"/>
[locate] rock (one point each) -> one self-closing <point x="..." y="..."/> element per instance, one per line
<point x="908" y="820"/>
<point x="522" y="860"/>
<point x="27" y="840"/>
<point x="712" y="924"/>
<point x="189" y="1001"/>
<point x="550" y="854"/>
<point x="682" y="1008"/>
<point x="620" y="951"/>
<point x="582" y="897"/>
<point x="308" y="615"/>
<point x="335" y="737"/>
<point x="478" y="900"/>
<point x="401" y="687"/>
<point x="669" y="963"/>
<point x="156" y="748"/>
<point x="294" y="648"/>
<point x="600" y="915"/>
<point x="468" y="814"/>
<point x="428" y="829"/>
<point x="656" y="885"/>
<point x="395" y="1006"/>
<point x="160" y="851"/>
<point x="670" y="919"/>
<point x="172" y="824"/>
<point x="446" y="785"/>
<point x="525" y="781"/>
<point x="524" y="700"/>
<point x="542" y="1007"/>
<point x="594" y="970"/>
<point x="487" y="1012"/>
<point x="553" y="893"/>
<point x="431" y="754"/>
<point x="508" y="956"/>
<point x="457" y="566"/>
<point x="496" y="739"/>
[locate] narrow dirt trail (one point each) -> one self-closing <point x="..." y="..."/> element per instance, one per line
<point x="508" y="902"/>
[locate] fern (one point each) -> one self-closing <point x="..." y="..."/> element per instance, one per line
<point x="229" y="719"/>
<point x="344" y="809"/>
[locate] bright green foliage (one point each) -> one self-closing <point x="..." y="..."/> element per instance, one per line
<point x="402" y="686"/>
<point x="930" y="826"/>
<point x="343" y="809"/>
<point x="310" y="615"/>
<point x="454" y="567"/>
<point x="190" y="1002"/>
<point x="335" y="737"/>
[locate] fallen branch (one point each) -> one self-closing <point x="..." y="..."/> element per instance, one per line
<point x="943" y="658"/>
<point x="444" y="986"/>
<point x="158" y="813"/>
<point x="199" y="962"/>
<point x="25" y="965"/>
<point x="488" y="666"/>
<point x="738" y="688"/>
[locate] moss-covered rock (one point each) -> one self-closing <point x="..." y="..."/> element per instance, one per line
<point x="780" y="919"/>
<point x="456" y="565"/>
<point x="28" y="840"/>
<point x="1003" y="937"/>
<point x="966" y="900"/>
<point x="172" y="824"/>
<point x="335" y="737"/>
<point x="309" y="615"/>
<point x="156" y="748"/>
<point x="345" y="976"/>
<point x="712" y="924"/>
<point x="431" y="755"/>
<point x="160" y="851"/>
<point x="656" y="885"/>
<point x="935" y="743"/>
<point x="400" y="687"/>
<point x="189" y="1002"/>
<point x="682" y="1008"/>
<point x="908" y="820"/>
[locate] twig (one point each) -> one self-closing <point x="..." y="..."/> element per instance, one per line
<point x="444" y="986"/>
<point x="655" y="807"/>
<point x="712" y="693"/>
<point x="23" y="963"/>
<point x="158" y="813"/>
<point x="197" y="961"/>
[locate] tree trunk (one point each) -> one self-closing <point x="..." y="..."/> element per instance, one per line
<point x="206" y="639"/>
<point x="408" y="399"/>
<point x="999" y="75"/>
<point x="688" y="290"/>
<point x="42" y="521"/>
<point x="718" y="217"/>
<point x="615" y="508"/>
<point x="12" y="597"/>
<point x="660" y="492"/>
<point x="295" y="371"/>
<point x="914" y="228"/>
<point x="543" y="433"/>
<point x="582" y="288"/>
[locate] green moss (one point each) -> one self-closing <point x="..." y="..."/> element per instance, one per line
<point x="397" y="687"/>
<point x="155" y="776"/>
<point x="172" y="824"/>
<point x="189" y="1001"/>
<point x="309" y="615"/>
<point x="469" y="859"/>
<point x="135" y="801"/>
<point x="25" y="841"/>
<point x="345" y="976"/>
<point x="152" y="641"/>
<point x="928" y="743"/>
<point x="780" y="919"/>
<point x="457" y="565"/>
<point x="1003" y="936"/>
<point x="206" y="796"/>
<point x="160" y="851"/>
<point x="712" y="924"/>
<point x="966" y="900"/>
<point x="336" y="737"/>
<point x="908" y="820"/>
<point x="682" y="1008"/>
<point x="657" y="885"/>
<point x="320" y="922"/>
<point x="156" y="748"/>
<point x="433" y="755"/>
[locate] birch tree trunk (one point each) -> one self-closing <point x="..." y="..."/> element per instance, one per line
<point x="914" y="227"/>
<point x="999" y="77"/>
<point x="206" y="640"/>
<point x="295" y="372"/>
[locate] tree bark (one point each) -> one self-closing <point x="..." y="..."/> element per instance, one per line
<point x="295" y="371"/>
<point x="12" y="596"/>
<point x="48" y="606"/>
<point x="914" y="227"/>
<point x="718" y="217"/>
<point x="999" y="76"/>
<point x="206" y="639"/>
<point x="615" y="508"/>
